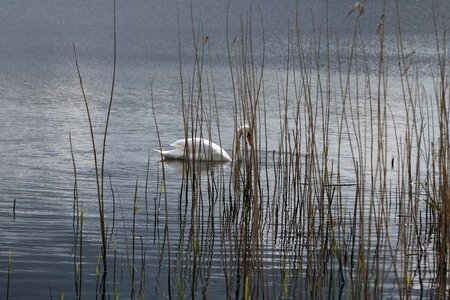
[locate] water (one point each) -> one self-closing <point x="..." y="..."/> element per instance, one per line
<point x="41" y="104"/>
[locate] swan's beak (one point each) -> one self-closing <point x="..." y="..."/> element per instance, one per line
<point x="249" y="139"/>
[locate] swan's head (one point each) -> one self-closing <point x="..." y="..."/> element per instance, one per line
<point x="246" y="131"/>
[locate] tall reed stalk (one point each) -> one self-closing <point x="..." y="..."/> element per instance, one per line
<point x="77" y="230"/>
<point x="9" y="274"/>
<point x="100" y="169"/>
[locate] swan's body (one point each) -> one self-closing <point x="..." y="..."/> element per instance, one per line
<point x="195" y="149"/>
<point x="203" y="149"/>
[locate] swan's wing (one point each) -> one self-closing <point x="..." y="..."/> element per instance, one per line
<point x="180" y="143"/>
<point x="191" y="143"/>
<point x="209" y="150"/>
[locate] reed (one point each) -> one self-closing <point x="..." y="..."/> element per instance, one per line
<point x="353" y="200"/>
<point x="9" y="274"/>
<point x="77" y="224"/>
<point x="133" y="234"/>
<point x="166" y="238"/>
<point x="443" y="163"/>
<point x="14" y="210"/>
<point x="100" y="169"/>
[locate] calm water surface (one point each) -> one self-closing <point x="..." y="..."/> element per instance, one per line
<point x="41" y="103"/>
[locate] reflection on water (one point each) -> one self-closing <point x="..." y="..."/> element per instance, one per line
<point x="180" y="166"/>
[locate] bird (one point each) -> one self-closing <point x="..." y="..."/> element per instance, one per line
<point x="205" y="150"/>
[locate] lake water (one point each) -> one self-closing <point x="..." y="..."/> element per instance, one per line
<point x="41" y="104"/>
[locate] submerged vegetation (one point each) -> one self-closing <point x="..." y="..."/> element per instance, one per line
<point x="354" y="202"/>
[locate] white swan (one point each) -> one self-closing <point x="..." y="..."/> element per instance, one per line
<point x="203" y="149"/>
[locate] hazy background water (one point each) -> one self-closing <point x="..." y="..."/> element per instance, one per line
<point x="41" y="102"/>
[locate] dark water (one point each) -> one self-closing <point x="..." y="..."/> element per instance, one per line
<point x="41" y="103"/>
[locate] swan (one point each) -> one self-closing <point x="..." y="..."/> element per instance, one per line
<point x="203" y="149"/>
